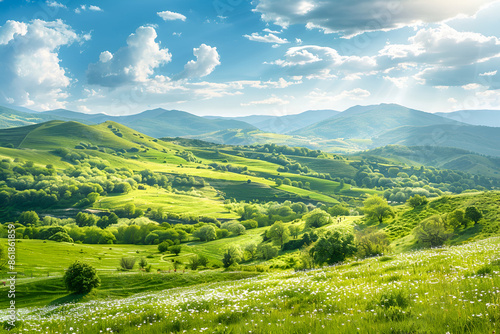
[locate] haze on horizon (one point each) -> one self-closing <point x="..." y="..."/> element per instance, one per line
<point x="262" y="57"/>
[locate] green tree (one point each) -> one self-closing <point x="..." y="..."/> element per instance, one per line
<point x="251" y="250"/>
<point x="417" y="201"/>
<point x="28" y="218"/>
<point x="472" y="213"/>
<point x="338" y="210"/>
<point x="278" y="233"/>
<point x="203" y="260"/>
<point x="294" y="230"/>
<point x="371" y="242"/>
<point x="333" y="248"/>
<point x="205" y="233"/>
<point x="61" y="237"/>
<point x="81" y="278"/>
<point x="143" y="263"/>
<point x="175" y="249"/>
<point x="231" y="256"/>
<point x="127" y="263"/>
<point x="287" y="181"/>
<point x="279" y="182"/>
<point x="194" y="262"/>
<point x="432" y="232"/>
<point x="267" y="251"/>
<point x="317" y="218"/>
<point x="163" y="247"/>
<point x="456" y="219"/>
<point x="376" y="207"/>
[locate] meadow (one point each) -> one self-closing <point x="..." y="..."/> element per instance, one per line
<point x="448" y="290"/>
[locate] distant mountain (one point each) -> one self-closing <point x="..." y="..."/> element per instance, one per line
<point x="474" y="117"/>
<point x="11" y="118"/>
<point x="158" y="122"/>
<point x="479" y="139"/>
<point x="440" y="157"/>
<point x="366" y="122"/>
<point x="286" y="123"/>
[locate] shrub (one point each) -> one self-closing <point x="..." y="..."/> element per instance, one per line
<point x="432" y="232"/>
<point x="333" y="248"/>
<point x="163" y="247"/>
<point x="371" y="242"/>
<point x="81" y="278"/>
<point x="203" y="260"/>
<point x="176" y="249"/>
<point x="143" y="262"/>
<point x="127" y="263"/>
<point x="194" y="262"/>
<point x="61" y="237"/>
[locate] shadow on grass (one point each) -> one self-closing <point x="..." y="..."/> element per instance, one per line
<point x="71" y="298"/>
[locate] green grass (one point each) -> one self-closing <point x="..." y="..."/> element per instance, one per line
<point x="430" y="291"/>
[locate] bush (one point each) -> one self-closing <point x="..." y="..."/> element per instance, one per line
<point x="81" y="278"/>
<point x="163" y="247"/>
<point x="127" y="263"/>
<point x="203" y="260"/>
<point x="371" y="242"/>
<point x="432" y="232"/>
<point x="61" y="237"/>
<point x="333" y="248"/>
<point x="194" y="262"/>
<point x="417" y="201"/>
<point x="143" y="263"/>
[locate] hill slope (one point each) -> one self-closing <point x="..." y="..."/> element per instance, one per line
<point x="474" y="117"/>
<point x="479" y="139"/>
<point x="13" y="118"/>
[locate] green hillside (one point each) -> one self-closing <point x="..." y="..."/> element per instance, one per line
<point x="478" y="139"/>
<point x="12" y="118"/>
<point x="441" y="157"/>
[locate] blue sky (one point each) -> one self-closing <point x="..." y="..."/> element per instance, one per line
<point x="238" y="57"/>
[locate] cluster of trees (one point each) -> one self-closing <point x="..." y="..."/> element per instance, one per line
<point x="231" y="168"/>
<point x="299" y="184"/>
<point x="299" y="151"/>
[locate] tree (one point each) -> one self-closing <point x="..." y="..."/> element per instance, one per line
<point x="251" y="250"/>
<point x="143" y="263"/>
<point x="338" y="210"/>
<point x="417" y="201"/>
<point x="376" y="207"/>
<point x="234" y="227"/>
<point x="317" y="218"/>
<point x="333" y="248"/>
<point x="287" y="181"/>
<point x="85" y="219"/>
<point x="205" y="233"/>
<point x="203" y="260"/>
<point x="432" y="232"/>
<point x="81" y="278"/>
<point x="472" y="213"/>
<point x="194" y="262"/>
<point x="163" y="247"/>
<point x="279" y="182"/>
<point x="61" y="237"/>
<point x="279" y="233"/>
<point x="231" y="256"/>
<point x="294" y="230"/>
<point x="176" y="249"/>
<point x="267" y="251"/>
<point x="456" y="219"/>
<point x="28" y="218"/>
<point x="371" y="242"/>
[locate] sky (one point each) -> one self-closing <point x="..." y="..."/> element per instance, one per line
<point x="241" y="57"/>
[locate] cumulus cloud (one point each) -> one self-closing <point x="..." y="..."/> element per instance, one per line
<point x="350" y="18"/>
<point x="31" y="73"/>
<point x="55" y="4"/>
<point x="269" y="38"/>
<point x="207" y="58"/>
<point x="132" y="63"/>
<point x="171" y="16"/>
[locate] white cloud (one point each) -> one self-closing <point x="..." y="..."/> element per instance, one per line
<point x="55" y="4"/>
<point x="269" y="38"/>
<point x="207" y="58"/>
<point x="84" y="8"/>
<point x="171" y="16"/>
<point x="354" y="17"/>
<point x="488" y="74"/>
<point x="269" y="101"/>
<point x="31" y="72"/>
<point x="471" y="86"/>
<point x="132" y="63"/>
<point x="452" y="100"/>
<point x="272" y="31"/>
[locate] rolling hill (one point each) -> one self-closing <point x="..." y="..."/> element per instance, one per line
<point x="479" y="139"/>
<point x="366" y="122"/>
<point x="440" y="157"/>
<point x="13" y="118"/>
<point x="474" y="117"/>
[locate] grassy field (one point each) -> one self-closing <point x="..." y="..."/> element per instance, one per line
<point x="452" y="289"/>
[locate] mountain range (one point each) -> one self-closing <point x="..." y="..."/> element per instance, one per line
<point x="355" y="129"/>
